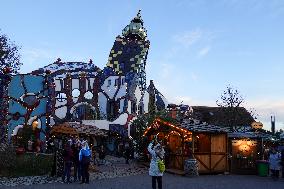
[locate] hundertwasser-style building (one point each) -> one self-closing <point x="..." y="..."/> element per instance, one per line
<point x="77" y="91"/>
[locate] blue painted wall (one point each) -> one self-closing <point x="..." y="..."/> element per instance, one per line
<point x="19" y="86"/>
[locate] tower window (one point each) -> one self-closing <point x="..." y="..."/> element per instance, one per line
<point x="109" y="83"/>
<point x="121" y="65"/>
<point x="133" y="107"/>
<point x="116" y="82"/>
<point x="122" y="81"/>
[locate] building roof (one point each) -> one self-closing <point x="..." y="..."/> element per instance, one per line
<point x="217" y="115"/>
<point x="202" y="127"/>
<point x="74" y="128"/>
<point x="251" y="135"/>
<point x="59" y="67"/>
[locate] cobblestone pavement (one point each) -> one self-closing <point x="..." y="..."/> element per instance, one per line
<point x="113" y="167"/>
<point x="170" y="181"/>
<point x="115" y="174"/>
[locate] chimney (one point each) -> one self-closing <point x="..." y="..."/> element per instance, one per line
<point x="273" y="124"/>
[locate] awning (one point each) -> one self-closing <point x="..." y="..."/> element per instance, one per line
<point x="75" y="128"/>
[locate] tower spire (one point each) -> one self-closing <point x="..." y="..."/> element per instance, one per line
<point x="135" y="28"/>
<point x="138" y="18"/>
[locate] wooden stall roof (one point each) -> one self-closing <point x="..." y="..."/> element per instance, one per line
<point x="158" y="121"/>
<point x="187" y="126"/>
<point x="74" y="128"/>
<point x="202" y="127"/>
<point x="249" y="135"/>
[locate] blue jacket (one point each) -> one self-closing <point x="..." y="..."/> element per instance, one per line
<point x="84" y="152"/>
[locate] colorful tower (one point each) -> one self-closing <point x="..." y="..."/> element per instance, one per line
<point x="129" y="52"/>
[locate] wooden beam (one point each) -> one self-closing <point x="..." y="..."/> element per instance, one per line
<point x="202" y="163"/>
<point x="218" y="161"/>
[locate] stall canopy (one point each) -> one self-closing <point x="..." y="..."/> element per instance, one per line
<point x="75" y="128"/>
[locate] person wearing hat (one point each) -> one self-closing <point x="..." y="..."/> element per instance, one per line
<point x="157" y="154"/>
<point x="85" y="159"/>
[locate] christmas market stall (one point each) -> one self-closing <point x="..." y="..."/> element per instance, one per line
<point x="191" y="140"/>
<point x="245" y="149"/>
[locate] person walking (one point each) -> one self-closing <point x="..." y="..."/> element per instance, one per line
<point x="127" y="153"/>
<point x="157" y="153"/>
<point x="68" y="158"/>
<point x="274" y="163"/>
<point x="102" y="155"/>
<point x="85" y="159"/>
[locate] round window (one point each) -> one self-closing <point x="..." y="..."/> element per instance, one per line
<point x="88" y="95"/>
<point x="75" y="93"/>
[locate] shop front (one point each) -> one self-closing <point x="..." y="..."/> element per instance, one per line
<point x="205" y="143"/>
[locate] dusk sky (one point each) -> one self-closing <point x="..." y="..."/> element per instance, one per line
<point x="198" y="47"/>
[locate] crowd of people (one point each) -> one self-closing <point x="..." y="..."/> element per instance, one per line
<point x="79" y="155"/>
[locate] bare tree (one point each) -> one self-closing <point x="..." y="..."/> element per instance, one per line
<point x="230" y="98"/>
<point x="231" y="102"/>
<point x="9" y="55"/>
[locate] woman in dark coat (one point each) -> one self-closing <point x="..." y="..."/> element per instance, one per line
<point x="77" y="167"/>
<point x="68" y="159"/>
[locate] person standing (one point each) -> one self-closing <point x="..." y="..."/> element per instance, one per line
<point x="102" y="155"/>
<point x="282" y="162"/>
<point x="76" y="163"/>
<point x="274" y="163"/>
<point x="127" y="153"/>
<point x="94" y="155"/>
<point x="68" y="158"/>
<point x="85" y="159"/>
<point x="157" y="153"/>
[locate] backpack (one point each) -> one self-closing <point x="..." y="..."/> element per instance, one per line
<point x="161" y="165"/>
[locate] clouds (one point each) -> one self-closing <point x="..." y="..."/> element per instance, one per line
<point x="267" y="107"/>
<point x="188" y="38"/>
<point x="198" y="40"/>
<point x="204" y="51"/>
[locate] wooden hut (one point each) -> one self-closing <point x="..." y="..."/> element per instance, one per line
<point x="245" y="149"/>
<point x="206" y="143"/>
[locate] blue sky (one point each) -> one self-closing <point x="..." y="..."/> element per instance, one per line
<point x="198" y="47"/>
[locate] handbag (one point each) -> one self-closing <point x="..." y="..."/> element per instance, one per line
<point x="161" y="165"/>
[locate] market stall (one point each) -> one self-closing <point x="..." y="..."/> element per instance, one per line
<point x="245" y="149"/>
<point x="206" y="143"/>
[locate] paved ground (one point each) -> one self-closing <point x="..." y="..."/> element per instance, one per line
<point x="115" y="174"/>
<point x="170" y="181"/>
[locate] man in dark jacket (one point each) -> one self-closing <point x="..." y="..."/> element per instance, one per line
<point x="68" y="158"/>
<point x="77" y="167"/>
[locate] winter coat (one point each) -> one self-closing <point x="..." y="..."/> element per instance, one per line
<point x="85" y="155"/>
<point x="76" y="154"/>
<point x="274" y="161"/>
<point x="68" y="154"/>
<point x="102" y="154"/>
<point x="154" y="169"/>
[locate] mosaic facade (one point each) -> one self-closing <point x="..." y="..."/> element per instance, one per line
<point x="75" y="91"/>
